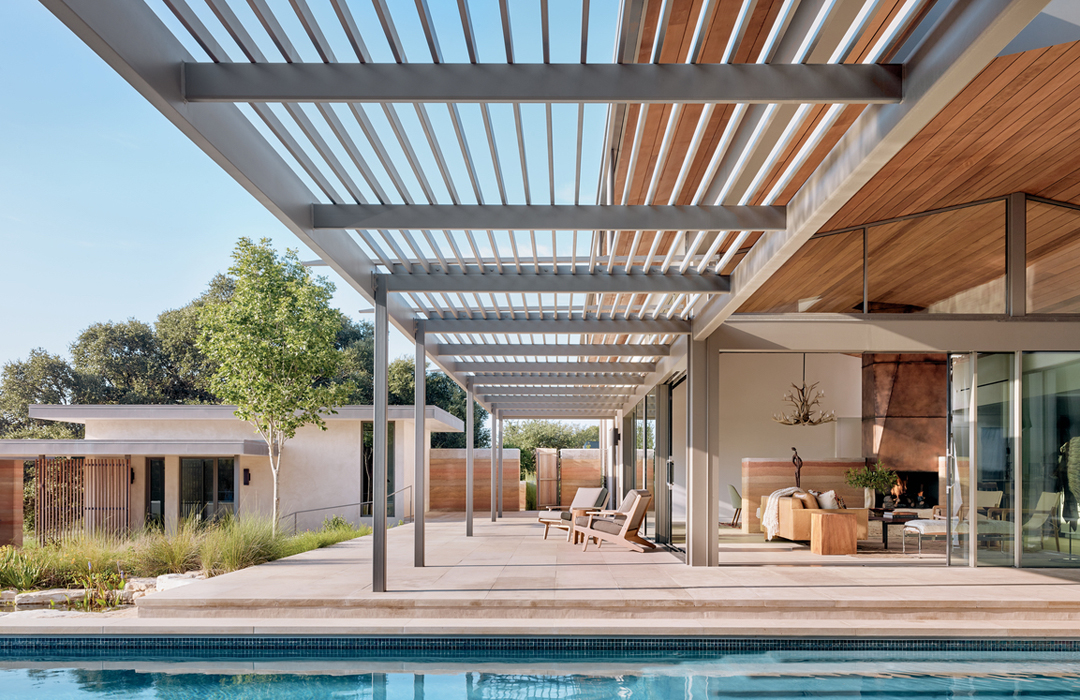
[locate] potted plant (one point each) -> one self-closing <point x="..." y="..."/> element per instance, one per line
<point x="876" y="478"/>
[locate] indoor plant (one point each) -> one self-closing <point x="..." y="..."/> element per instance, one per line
<point x="876" y="478"/>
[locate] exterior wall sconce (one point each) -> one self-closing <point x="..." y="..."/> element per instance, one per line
<point x="247" y="476"/>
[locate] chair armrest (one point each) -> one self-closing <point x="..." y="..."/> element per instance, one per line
<point x="556" y="508"/>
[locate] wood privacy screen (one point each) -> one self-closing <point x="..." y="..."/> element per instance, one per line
<point x="547" y="477"/>
<point x="81" y="495"/>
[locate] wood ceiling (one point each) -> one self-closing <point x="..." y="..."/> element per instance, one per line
<point x="1015" y="128"/>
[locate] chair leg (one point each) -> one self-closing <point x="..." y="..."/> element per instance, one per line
<point x="546" y="526"/>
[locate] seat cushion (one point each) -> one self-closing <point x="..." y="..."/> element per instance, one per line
<point x="606" y="525"/>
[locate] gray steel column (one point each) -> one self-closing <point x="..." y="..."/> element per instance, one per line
<point x="500" y="462"/>
<point x="1016" y="254"/>
<point x="494" y="492"/>
<point x="494" y="444"/>
<point x="661" y="453"/>
<point x="419" y="447"/>
<point x="378" y="467"/>
<point x="702" y="458"/>
<point x="468" y="459"/>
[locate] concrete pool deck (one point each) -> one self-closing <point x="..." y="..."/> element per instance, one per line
<point x="507" y="580"/>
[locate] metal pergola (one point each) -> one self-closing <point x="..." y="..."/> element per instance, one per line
<point x="558" y="202"/>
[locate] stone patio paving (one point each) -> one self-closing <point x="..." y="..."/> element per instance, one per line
<point x="508" y="580"/>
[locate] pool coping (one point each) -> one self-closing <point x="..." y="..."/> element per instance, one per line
<point x="741" y="628"/>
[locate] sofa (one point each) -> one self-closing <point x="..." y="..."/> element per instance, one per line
<point x="795" y="518"/>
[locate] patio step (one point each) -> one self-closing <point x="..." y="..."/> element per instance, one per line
<point x="391" y="607"/>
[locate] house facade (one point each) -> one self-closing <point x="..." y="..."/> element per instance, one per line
<point x="141" y="464"/>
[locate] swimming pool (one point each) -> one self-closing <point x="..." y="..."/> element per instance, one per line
<point x="652" y="671"/>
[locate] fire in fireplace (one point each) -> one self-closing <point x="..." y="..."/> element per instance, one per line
<point x="913" y="490"/>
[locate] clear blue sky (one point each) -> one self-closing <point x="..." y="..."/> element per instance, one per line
<point x="107" y="212"/>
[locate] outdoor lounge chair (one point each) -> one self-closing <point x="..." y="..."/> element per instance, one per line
<point x="618" y="526"/>
<point x="562" y="516"/>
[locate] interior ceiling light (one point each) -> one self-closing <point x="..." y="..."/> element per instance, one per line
<point x="805" y="408"/>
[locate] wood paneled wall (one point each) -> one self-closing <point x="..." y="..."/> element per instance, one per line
<point x="11" y="502"/>
<point x="447" y="481"/>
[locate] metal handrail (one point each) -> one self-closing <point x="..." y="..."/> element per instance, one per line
<point x="346" y="505"/>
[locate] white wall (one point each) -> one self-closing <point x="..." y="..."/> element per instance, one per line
<point x="752" y="387"/>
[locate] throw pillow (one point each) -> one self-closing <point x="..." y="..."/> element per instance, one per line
<point x="808" y="500"/>
<point x="840" y="502"/>
<point x="827" y="500"/>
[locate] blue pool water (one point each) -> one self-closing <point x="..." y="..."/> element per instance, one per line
<point x="209" y="675"/>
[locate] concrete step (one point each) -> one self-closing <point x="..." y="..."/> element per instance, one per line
<point x="391" y="607"/>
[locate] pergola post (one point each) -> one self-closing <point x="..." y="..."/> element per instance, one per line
<point x="419" y="446"/>
<point x="378" y="467"/>
<point x="468" y="460"/>
<point x="499" y="423"/>
<point x="494" y="421"/>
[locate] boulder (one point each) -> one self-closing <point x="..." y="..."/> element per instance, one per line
<point x="137" y="584"/>
<point x="8" y="597"/>
<point x="53" y="596"/>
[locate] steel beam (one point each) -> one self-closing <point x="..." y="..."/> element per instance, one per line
<point x="547" y="217"/>
<point x="527" y="282"/>
<point x="575" y="415"/>
<point x="558" y="367"/>
<point x="555" y="391"/>
<point x="576" y="323"/>
<point x="496" y="380"/>
<point x="966" y="38"/>
<point x="550" y="405"/>
<point x="859" y="333"/>
<point x="576" y="350"/>
<point x="697" y="83"/>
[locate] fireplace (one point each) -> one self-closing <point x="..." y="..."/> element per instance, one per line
<point x="916" y="489"/>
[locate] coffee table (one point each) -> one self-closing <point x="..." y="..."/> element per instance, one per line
<point x="886" y="522"/>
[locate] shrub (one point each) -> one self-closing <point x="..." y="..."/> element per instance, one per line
<point x="65" y="563"/>
<point x="18" y="570"/>
<point x="158" y="552"/>
<point x="530" y="495"/>
<point x="238" y="542"/>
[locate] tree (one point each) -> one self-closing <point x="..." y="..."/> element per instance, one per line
<point x="186" y="370"/>
<point x="40" y="378"/>
<point x="442" y="391"/>
<point x="273" y="345"/>
<point x="531" y="434"/>
<point x="122" y="361"/>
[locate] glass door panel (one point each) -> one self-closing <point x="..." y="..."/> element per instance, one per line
<point x="677" y="467"/>
<point x="958" y="482"/>
<point x="991" y="507"/>
<point x="1051" y="459"/>
<point x="155" y="492"/>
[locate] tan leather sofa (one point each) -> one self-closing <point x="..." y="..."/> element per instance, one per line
<point x="795" y="519"/>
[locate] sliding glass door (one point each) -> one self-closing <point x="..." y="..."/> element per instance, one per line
<point x="207" y="487"/>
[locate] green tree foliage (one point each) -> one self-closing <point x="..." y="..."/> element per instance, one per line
<point x="186" y="369"/>
<point x="442" y="391"/>
<point x="123" y="360"/>
<point x="531" y="434"/>
<point x="40" y="378"/>
<point x="273" y="343"/>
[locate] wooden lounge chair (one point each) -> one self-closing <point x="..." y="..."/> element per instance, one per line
<point x="618" y="526"/>
<point x="562" y="517"/>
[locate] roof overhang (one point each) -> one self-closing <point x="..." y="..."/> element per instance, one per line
<point x="31" y="449"/>
<point x="436" y="419"/>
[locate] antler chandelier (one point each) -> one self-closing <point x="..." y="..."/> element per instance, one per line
<point x="805" y="404"/>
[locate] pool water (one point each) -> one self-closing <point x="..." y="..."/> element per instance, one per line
<point x="881" y="675"/>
